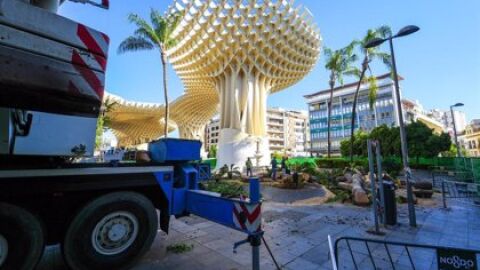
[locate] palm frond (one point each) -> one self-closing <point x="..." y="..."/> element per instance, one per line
<point x="173" y="22"/>
<point x="386" y="59"/>
<point x="160" y="25"/>
<point x="147" y="29"/>
<point x="372" y="90"/>
<point x="171" y="43"/>
<point x="340" y="78"/>
<point x="134" y="43"/>
<point x="384" y="31"/>
<point x="143" y="33"/>
<point x="350" y="48"/>
<point x="327" y="52"/>
<point x="138" y="21"/>
<point x="164" y="27"/>
<point x="352" y="71"/>
<point x="375" y="53"/>
<point x="156" y="18"/>
<point x="340" y="62"/>
<point x="176" y="18"/>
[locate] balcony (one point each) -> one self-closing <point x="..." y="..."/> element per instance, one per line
<point x="271" y="130"/>
<point x="275" y="138"/>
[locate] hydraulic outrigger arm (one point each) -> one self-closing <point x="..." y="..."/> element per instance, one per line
<point x="242" y="215"/>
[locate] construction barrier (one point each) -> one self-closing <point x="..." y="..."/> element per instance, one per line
<point x="362" y="253"/>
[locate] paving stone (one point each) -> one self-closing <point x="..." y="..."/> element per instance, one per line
<point x="302" y="264"/>
<point x="318" y="254"/>
<point x="297" y="236"/>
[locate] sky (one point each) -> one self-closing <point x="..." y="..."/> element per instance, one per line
<point x="440" y="63"/>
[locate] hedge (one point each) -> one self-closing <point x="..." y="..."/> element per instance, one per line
<point x="390" y="164"/>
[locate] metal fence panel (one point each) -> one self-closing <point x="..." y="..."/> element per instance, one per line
<point x="475" y="167"/>
<point x="362" y="253"/>
<point x="460" y="192"/>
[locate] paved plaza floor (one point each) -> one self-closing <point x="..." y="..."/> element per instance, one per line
<point x="298" y="237"/>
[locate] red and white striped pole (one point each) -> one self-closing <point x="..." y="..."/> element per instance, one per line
<point x="256" y="239"/>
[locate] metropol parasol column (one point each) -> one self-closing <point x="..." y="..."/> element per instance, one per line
<point x="235" y="53"/>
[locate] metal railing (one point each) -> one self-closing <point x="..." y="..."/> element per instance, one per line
<point x="460" y="192"/>
<point x="362" y="253"/>
<point x="458" y="186"/>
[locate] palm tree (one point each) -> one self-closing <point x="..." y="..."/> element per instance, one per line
<point x="339" y="62"/>
<point x="369" y="54"/>
<point x="157" y="35"/>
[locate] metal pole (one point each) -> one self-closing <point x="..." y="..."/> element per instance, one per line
<point x="333" y="258"/>
<point x="255" y="240"/>
<point x="459" y="153"/>
<point x="372" y="184"/>
<point x="380" y="182"/>
<point x="443" y="195"/>
<point x="403" y="140"/>
<point x="255" y="256"/>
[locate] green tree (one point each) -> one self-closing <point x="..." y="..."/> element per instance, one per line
<point x="421" y="140"/>
<point x="417" y="136"/>
<point x="359" y="145"/>
<point x="452" y="151"/>
<point x="212" y="152"/>
<point x="339" y="63"/>
<point x="437" y="144"/>
<point x="157" y="35"/>
<point x="389" y="139"/>
<point x="369" y="54"/>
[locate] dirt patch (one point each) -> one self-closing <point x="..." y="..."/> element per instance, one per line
<point x="316" y="200"/>
<point x="270" y="216"/>
<point x="311" y="193"/>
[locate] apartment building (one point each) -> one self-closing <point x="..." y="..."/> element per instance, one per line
<point x="212" y="132"/>
<point x="287" y="131"/>
<point x="383" y="112"/>
<point x="471" y="139"/>
<point x="445" y="117"/>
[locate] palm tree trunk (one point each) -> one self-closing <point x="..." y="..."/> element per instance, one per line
<point x="165" y="93"/>
<point x="330" y="101"/>
<point x="354" y="106"/>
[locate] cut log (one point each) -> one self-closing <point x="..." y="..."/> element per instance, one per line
<point x="425" y="185"/>
<point x="349" y="177"/>
<point x="402" y="195"/>
<point x="359" y="194"/>
<point x="345" y="186"/>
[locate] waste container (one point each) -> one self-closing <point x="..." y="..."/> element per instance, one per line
<point x="390" y="203"/>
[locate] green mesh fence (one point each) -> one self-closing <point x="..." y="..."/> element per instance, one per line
<point x="211" y="161"/>
<point x="467" y="168"/>
<point x="475" y="165"/>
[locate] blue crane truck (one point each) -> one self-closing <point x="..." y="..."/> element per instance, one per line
<point x="106" y="217"/>
<point x="52" y="73"/>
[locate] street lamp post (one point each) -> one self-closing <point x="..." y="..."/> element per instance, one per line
<point x="459" y="153"/>
<point x="403" y="137"/>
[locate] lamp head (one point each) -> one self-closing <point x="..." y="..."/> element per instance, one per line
<point x="458" y="105"/>
<point x="407" y="30"/>
<point x="374" y="43"/>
